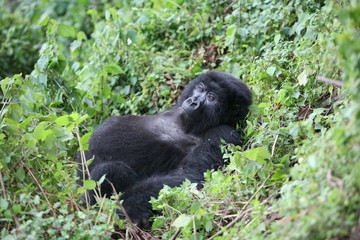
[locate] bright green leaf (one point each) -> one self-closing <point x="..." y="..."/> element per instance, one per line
<point x="259" y="154"/>
<point x="44" y="21"/>
<point x="114" y="69"/>
<point x="17" y="208"/>
<point x="271" y="71"/>
<point x="182" y="221"/>
<point x="66" y="30"/>
<point x="89" y="184"/>
<point x="277" y="38"/>
<point x="302" y="78"/>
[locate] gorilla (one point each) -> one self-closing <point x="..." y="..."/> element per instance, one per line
<point x="140" y="154"/>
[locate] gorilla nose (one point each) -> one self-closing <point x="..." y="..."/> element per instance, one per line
<point x="195" y="102"/>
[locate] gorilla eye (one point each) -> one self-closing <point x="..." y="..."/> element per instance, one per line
<point x="211" y="97"/>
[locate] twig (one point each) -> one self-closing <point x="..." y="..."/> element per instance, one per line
<point x="330" y="81"/>
<point x="241" y="214"/>
<point x="173" y="237"/>
<point x="273" y="146"/>
<point x="9" y="103"/>
<point x="228" y="7"/>
<point x="39" y="186"/>
<point x="194" y="226"/>
<point x="121" y="206"/>
<point x="3" y="186"/>
<point x="135" y="228"/>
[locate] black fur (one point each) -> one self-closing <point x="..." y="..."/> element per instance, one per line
<point x="141" y="154"/>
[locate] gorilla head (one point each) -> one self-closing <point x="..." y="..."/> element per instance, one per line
<point x="212" y="99"/>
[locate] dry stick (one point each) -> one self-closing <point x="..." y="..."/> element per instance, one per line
<point x="330" y="81"/>
<point x="121" y="206"/>
<point x="228" y="7"/>
<point x="240" y="216"/>
<point x="136" y="228"/>
<point x="173" y="237"/>
<point x="3" y="186"/>
<point x="39" y="186"/>
<point x="6" y="198"/>
<point x="83" y="163"/>
<point x="194" y="226"/>
<point x="273" y="147"/>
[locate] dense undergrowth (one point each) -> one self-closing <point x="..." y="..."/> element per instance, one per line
<point x="67" y="65"/>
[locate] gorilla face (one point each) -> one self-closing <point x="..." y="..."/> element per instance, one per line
<point x="203" y="108"/>
<point x="213" y="99"/>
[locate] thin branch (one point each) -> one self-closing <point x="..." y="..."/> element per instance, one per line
<point x="230" y="6"/>
<point x="173" y="237"/>
<point x="3" y="186"/>
<point x="39" y="186"/>
<point x="242" y="211"/>
<point x="273" y="147"/>
<point x="330" y="81"/>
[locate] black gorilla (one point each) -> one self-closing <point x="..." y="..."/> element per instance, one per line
<point x="141" y="154"/>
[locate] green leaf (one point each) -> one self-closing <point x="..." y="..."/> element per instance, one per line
<point x="259" y="154"/>
<point x="208" y="226"/>
<point x="277" y="38"/>
<point x="302" y="78"/>
<point x="279" y="175"/>
<point x="16" y="208"/>
<point x="182" y="221"/>
<point x="75" y="45"/>
<point x="20" y="174"/>
<point x="40" y="133"/>
<point x="271" y="71"/>
<point x="132" y="35"/>
<point x="102" y="179"/>
<point x="43" y="62"/>
<point x="63" y="120"/>
<point x="89" y="184"/>
<point x="81" y="119"/>
<point x="4" y="204"/>
<point x="114" y="69"/>
<point x="66" y="30"/>
<point x="44" y="21"/>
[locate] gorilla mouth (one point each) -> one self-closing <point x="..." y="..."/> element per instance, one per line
<point x="187" y="114"/>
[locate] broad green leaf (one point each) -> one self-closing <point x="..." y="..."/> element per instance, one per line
<point x="182" y="221"/>
<point x="4" y="204"/>
<point x="259" y="154"/>
<point x="114" y="69"/>
<point x="302" y="78"/>
<point x="231" y="30"/>
<point x="44" y="21"/>
<point x="20" y="174"/>
<point x="17" y="208"/>
<point x="75" y="45"/>
<point x="66" y="30"/>
<point x="277" y="38"/>
<point x="63" y="120"/>
<point x="132" y="35"/>
<point x="26" y="122"/>
<point x="279" y="175"/>
<point x="271" y="71"/>
<point x="81" y="119"/>
<point x="40" y="133"/>
<point x="89" y="184"/>
<point x="42" y="63"/>
<point x="208" y="226"/>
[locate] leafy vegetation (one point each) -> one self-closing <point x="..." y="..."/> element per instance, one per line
<point x="67" y="65"/>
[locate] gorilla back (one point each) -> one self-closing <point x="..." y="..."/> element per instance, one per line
<point x="141" y="154"/>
